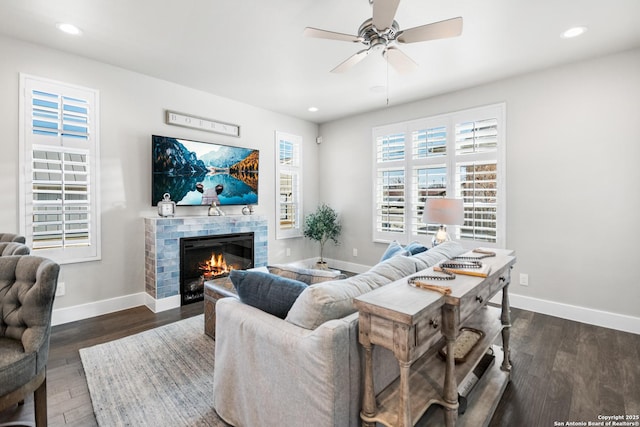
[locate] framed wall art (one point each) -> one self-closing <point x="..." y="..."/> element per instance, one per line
<point x="201" y="123"/>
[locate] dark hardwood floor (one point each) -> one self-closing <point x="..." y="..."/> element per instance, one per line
<point x="68" y="398"/>
<point x="562" y="370"/>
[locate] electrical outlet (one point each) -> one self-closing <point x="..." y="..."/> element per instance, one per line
<point x="524" y="279"/>
<point x="287" y="252"/>
<point x="61" y="289"/>
<point x="355" y="251"/>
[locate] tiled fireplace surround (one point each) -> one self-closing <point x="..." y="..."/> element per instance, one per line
<point x="162" y="250"/>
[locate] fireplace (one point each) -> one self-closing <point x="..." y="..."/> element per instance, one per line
<point x="206" y="258"/>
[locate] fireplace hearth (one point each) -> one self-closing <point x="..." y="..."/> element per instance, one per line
<point x="206" y="258"/>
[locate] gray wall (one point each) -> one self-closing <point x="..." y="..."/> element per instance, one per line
<point x="572" y="170"/>
<point x="131" y="110"/>
<point x="573" y="180"/>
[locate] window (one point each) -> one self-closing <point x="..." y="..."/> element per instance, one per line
<point x="59" y="156"/>
<point x="457" y="155"/>
<point x="288" y="185"/>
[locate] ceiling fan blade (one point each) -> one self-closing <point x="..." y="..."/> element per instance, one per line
<point x="331" y="35"/>
<point x="399" y="60"/>
<point x="351" y="61"/>
<point x="437" y="30"/>
<point x="383" y="13"/>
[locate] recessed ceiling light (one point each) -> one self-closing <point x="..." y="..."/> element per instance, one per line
<point x="573" y="32"/>
<point x="312" y="109"/>
<point x="69" y="28"/>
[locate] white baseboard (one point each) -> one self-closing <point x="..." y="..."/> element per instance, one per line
<point x="97" y="308"/>
<point x="620" y="322"/>
<point x="163" y="304"/>
<point x="84" y="311"/>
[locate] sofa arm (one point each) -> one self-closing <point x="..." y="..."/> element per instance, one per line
<point x="270" y="372"/>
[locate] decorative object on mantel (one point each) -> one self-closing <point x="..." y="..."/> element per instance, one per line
<point x="445" y="212"/>
<point x="322" y="225"/>
<point x="214" y="210"/>
<point x="166" y="206"/>
<point x="247" y="210"/>
<point x="195" y="122"/>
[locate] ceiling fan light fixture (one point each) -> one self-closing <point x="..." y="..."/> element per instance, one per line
<point x="68" y="28"/>
<point x="381" y="32"/>
<point x="573" y="32"/>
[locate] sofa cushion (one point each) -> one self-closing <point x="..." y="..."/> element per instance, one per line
<point x="305" y="275"/>
<point x="267" y="292"/>
<point x="334" y="299"/>
<point x="443" y="251"/>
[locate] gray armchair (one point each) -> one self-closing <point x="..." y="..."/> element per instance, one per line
<point x="10" y="237"/>
<point x="13" y="248"/>
<point x="27" y="288"/>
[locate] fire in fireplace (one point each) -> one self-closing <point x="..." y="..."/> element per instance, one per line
<point x="216" y="266"/>
<point x="211" y="258"/>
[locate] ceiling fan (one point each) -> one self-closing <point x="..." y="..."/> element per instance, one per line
<point x="381" y="33"/>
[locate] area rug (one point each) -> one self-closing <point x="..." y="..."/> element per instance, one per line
<point x="160" y="377"/>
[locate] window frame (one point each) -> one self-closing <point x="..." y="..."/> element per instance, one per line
<point x="65" y="141"/>
<point x="295" y="170"/>
<point x="451" y="161"/>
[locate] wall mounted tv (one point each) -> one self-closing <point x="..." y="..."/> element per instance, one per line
<point x="196" y="173"/>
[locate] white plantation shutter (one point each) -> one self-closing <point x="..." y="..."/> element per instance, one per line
<point x="477" y="186"/>
<point x="428" y="181"/>
<point x="390" y="186"/>
<point x="288" y="185"/>
<point x="59" y="150"/>
<point x="390" y="203"/>
<point x="458" y="155"/>
<point x="477" y="136"/>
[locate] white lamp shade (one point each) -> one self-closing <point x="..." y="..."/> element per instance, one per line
<point x="443" y="211"/>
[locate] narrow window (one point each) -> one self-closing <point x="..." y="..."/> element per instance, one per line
<point x="59" y="150"/>
<point x="288" y="185"/>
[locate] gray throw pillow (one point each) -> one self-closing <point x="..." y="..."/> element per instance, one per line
<point x="270" y="293"/>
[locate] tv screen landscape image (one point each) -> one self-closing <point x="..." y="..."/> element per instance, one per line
<point x="196" y="173"/>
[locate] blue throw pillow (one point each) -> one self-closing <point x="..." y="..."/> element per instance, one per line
<point x="415" y="248"/>
<point x="393" y="249"/>
<point x="267" y="292"/>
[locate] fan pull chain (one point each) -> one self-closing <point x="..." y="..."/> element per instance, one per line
<point x="387" y="83"/>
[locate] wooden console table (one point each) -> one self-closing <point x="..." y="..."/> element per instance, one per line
<point x="415" y="324"/>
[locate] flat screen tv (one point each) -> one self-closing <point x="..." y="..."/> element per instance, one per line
<point x="197" y="173"/>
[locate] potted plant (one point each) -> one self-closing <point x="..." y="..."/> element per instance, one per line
<point x="322" y="225"/>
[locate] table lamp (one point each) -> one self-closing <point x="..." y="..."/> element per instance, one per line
<point x="445" y="212"/>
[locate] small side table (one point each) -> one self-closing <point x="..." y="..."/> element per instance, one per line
<point x="213" y="291"/>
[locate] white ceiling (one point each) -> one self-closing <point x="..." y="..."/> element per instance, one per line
<point x="254" y="51"/>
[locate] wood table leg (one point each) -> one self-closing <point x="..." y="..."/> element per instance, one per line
<point x="450" y="326"/>
<point x="404" y="408"/>
<point x="450" y="386"/>
<point x="369" y="407"/>
<point x="505" y="318"/>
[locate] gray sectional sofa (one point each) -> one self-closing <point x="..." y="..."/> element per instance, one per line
<point x="305" y="369"/>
